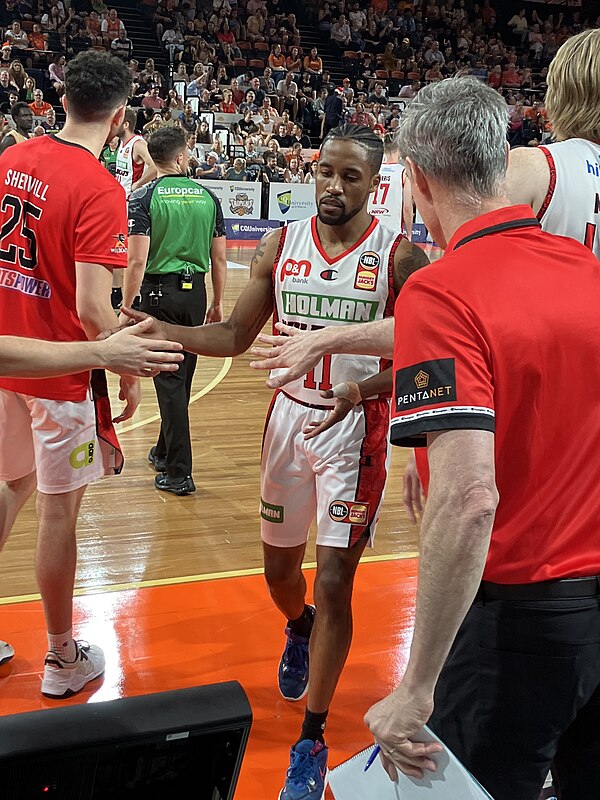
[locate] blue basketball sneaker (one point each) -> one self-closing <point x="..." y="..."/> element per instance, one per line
<point x="292" y="675"/>
<point x="307" y="774"/>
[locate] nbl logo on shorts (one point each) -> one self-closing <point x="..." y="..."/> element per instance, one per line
<point x="352" y="513"/>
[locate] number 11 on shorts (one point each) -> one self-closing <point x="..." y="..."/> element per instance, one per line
<point x="324" y="367"/>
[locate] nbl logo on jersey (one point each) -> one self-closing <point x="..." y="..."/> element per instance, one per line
<point x="367" y="271"/>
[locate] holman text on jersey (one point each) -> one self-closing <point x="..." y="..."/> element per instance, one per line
<point x="340" y="309"/>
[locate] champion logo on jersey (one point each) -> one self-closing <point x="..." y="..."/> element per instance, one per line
<point x="329" y="274"/>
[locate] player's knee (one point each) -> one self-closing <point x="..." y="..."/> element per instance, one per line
<point x="333" y="589"/>
<point x="22" y="486"/>
<point x="280" y="576"/>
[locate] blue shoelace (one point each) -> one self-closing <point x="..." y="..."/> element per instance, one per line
<point x="295" y="657"/>
<point x="300" y="770"/>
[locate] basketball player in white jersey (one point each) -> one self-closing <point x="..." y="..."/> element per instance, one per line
<point x="561" y="181"/>
<point x="134" y="163"/>
<point x="393" y="192"/>
<point x="134" y="168"/>
<point x="338" y="267"/>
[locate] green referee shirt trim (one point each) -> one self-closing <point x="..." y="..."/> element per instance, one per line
<point x="182" y="218"/>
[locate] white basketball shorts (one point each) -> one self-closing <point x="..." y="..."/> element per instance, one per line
<point x="339" y="476"/>
<point x="55" y="438"/>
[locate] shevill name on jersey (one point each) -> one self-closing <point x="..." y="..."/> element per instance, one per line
<point x="314" y="291"/>
<point x="572" y="204"/>
<point x="22" y="180"/>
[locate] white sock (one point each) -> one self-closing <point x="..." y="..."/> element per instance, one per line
<point x="63" y="645"/>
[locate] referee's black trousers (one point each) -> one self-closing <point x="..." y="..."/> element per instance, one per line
<point x="173" y="389"/>
<point x="520" y="694"/>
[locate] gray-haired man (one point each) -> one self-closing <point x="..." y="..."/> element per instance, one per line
<point x="495" y="349"/>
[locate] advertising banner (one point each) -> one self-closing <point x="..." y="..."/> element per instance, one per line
<point x="289" y="201"/>
<point x="250" y="229"/>
<point x="241" y="200"/>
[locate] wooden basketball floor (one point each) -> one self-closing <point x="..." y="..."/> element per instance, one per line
<point x="172" y="588"/>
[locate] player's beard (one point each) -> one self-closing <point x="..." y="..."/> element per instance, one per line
<point x="336" y="215"/>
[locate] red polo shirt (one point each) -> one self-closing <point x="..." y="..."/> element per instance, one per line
<point x="502" y="334"/>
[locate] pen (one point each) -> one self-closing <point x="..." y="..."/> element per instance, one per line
<point x="372" y="757"/>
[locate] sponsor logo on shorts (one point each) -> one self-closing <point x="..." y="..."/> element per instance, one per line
<point x="367" y="271"/>
<point x="352" y="513"/>
<point x="271" y="513"/>
<point x="83" y="455"/>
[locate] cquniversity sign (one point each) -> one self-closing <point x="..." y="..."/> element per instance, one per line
<point x="290" y="201"/>
<point x="250" y="229"/>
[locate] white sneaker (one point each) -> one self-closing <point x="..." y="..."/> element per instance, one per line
<point x="7" y="651"/>
<point x="64" y="678"/>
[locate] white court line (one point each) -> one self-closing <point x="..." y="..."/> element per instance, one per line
<point x="235" y="265"/>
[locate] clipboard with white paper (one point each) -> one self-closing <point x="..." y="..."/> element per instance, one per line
<point x="450" y="781"/>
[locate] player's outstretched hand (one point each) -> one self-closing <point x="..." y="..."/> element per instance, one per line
<point x="214" y="314"/>
<point x="131" y="393"/>
<point x="156" y="329"/>
<point x="299" y="351"/>
<point x="127" y="352"/>
<point x="347" y="395"/>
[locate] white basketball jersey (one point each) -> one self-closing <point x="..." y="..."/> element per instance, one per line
<point x="315" y="291"/>
<point x="386" y="201"/>
<point x="572" y="204"/>
<point x="127" y="171"/>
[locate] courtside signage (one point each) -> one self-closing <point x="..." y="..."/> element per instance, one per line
<point x="291" y="201"/>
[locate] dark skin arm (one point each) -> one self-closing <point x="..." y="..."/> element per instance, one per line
<point x="408" y="258"/>
<point x="7" y="142"/>
<point x="253" y="308"/>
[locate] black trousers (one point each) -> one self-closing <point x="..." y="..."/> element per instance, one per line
<point x="520" y="694"/>
<point x="173" y="389"/>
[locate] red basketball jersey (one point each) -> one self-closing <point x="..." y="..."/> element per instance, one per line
<point x="58" y="205"/>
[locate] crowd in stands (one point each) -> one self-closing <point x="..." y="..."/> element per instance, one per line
<point x="245" y="59"/>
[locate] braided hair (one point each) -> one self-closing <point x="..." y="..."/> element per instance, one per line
<point x="363" y="136"/>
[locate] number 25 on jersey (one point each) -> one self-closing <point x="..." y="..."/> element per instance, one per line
<point x="18" y="242"/>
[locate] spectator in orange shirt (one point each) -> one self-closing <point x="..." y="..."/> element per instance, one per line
<point x="510" y="76"/>
<point x="313" y="63"/>
<point x="38" y="40"/>
<point x="277" y="63"/>
<point x="495" y="77"/>
<point x="379" y="6"/>
<point x="39" y="106"/>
